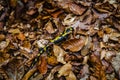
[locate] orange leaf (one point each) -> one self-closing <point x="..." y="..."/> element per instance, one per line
<point x="21" y="36"/>
<point x="43" y="66"/>
<point x="56" y="14"/>
<point x="74" y="45"/>
<point x="52" y="60"/>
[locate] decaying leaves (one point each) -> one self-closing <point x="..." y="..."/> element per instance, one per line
<point x="21" y="36"/>
<point x="43" y="66"/>
<point x="59" y="53"/>
<point x="73" y="45"/>
<point x="71" y="76"/>
<point x="65" y="70"/>
<point x="90" y="52"/>
<point x="52" y="60"/>
<point x="98" y="70"/>
<point x="49" y="27"/>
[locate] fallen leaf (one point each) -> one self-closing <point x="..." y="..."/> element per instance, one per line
<point x="49" y="27"/>
<point x="93" y="78"/>
<point x="100" y="33"/>
<point x="108" y="30"/>
<point x="53" y="71"/>
<point x="69" y="19"/>
<point x="52" y="60"/>
<point x="43" y="66"/>
<point x="4" y="44"/>
<point x="86" y="48"/>
<point x="84" y="72"/>
<point x="71" y="7"/>
<point x="14" y="31"/>
<point x="105" y="37"/>
<point x="27" y="44"/>
<point x="71" y="76"/>
<point x="56" y="14"/>
<point x="103" y="53"/>
<point x="59" y="53"/>
<point x="2" y="37"/>
<point x="21" y="36"/>
<point x="31" y="12"/>
<point x="98" y="69"/>
<point x="114" y="36"/>
<point x="73" y="45"/>
<point x="104" y="7"/>
<point x="109" y="55"/>
<point x="79" y="10"/>
<point x="65" y="70"/>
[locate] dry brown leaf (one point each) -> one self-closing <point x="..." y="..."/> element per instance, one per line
<point x="52" y="60"/>
<point x="4" y="44"/>
<point x="100" y="33"/>
<point x="43" y="66"/>
<point x="49" y="27"/>
<point x="71" y="76"/>
<point x="2" y="37"/>
<point x="88" y="45"/>
<point x="72" y="7"/>
<point x="73" y="45"/>
<point x="27" y="44"/>
<point x="56" y="14"/>
<point x="98" y="69"/>
<point x="53" y="71"/>
<point x="79" y="10"/>
<point x="103" y="53"/>
<point x="31" y="12"/>
<point x="21" y="36"/>
<point x="114" y="36"/>
<point x="104" y="7"/>
<point x="14" y="31"/>
<point x="65" y="70"/>
<point x="93" y="78"/>
<point x="108" y="30"/>
<point x="59" y="53"/>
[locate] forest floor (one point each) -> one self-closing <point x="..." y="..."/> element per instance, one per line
<point x="59" y="39"/>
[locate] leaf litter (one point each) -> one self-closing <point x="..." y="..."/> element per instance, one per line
<point x="89" y="52"/>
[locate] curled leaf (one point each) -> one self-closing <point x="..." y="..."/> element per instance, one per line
<point x="59" y="53"/>
<point x="65" y="70"/>
<point x="114" y="36"/>
<point x="53" y="71"/>
<point x="74" y="45"/>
